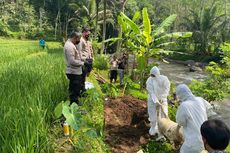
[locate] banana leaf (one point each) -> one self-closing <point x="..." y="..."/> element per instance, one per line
<point x="147" y="26"/>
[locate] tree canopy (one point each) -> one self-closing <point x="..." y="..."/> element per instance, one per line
<point x="54" y="19"/>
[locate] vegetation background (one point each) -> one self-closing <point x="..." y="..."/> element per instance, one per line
<point x="33" y="84"/>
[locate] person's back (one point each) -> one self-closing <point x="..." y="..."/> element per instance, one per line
<point x="162" y="86"/>
<point x="195" y="114"/>
<point x="190" y="114"/>
<point x="42" y="43"/>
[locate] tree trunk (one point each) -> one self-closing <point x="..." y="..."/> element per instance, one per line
<point x="40" y="18"/>
<point x="225" y="22"/>
<point x="133" y="67"/>
<point x="97" y="10"/>
<point x="66" y="26"/>
<point x="104" y="28"/>
<point x="156" y="5"/>
<point x="56" y="25"/>
<point x="144" y="71"/>
<point x="119" y="29"/>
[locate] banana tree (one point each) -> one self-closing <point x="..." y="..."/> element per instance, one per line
<point x="145" y="41"/>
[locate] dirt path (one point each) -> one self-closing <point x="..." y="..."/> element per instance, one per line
<point x="126" y="124"/>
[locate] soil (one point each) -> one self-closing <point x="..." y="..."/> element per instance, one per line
<point x="126" y="124"/>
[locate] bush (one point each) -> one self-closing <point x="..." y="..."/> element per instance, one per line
<point x="110" y="90"/>
<point x="134" y="90"/>
<point x="158" y="147"/>
<point x="215" y="87"/>
<point x="101" y="62"/>
<point x="86" y="120"/>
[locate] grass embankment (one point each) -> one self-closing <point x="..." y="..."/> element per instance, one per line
<point x="33" y="82"/>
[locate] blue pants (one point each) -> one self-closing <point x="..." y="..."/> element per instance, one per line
<point x="121" y="74"/>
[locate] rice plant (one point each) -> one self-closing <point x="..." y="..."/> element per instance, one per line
<point x="32" y="82"/>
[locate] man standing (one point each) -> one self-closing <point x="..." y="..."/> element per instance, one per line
<point x="158" y="87"/>
<point x="74" y="67"/>
<point x="86" y="49"/>
<point x="122" y="62"/>
<point x="42" y="43"/>
<point x="113" y="69"/>
<point x="192" y="112"/>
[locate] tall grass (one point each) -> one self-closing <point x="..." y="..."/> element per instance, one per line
<point x="32" y="82"/>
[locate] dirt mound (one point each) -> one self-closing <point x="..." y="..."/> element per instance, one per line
<point x="126" y="124"/>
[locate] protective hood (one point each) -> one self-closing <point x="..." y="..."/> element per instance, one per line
<point x="155" y="71"/>
<point x="184" y="93"/>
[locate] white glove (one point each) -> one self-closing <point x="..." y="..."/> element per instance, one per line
<point x="158" y="103"/>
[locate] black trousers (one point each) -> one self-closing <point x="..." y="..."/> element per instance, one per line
<point x="113" y="75"/>
<point x="76" y="87"/>
<point x="86" y="70"/>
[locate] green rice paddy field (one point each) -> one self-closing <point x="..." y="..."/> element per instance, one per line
<point x="32" y="83"/>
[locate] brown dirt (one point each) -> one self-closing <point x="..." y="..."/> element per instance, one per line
<point x="126" y="124"/>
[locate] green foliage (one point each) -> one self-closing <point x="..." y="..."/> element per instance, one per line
<point x="144" y="41"/>
<point x="159" y="147"/>
<point x="228" y="149"/>
<point x="35" y="86"/>
<point x="147" y="26"/>
<point x="215" y="87"/>
<point x="73" y="116"/>
<point x="58" y="109"/>
<point x="87" y="120"/>
<point x="87" y="132"/>
<point x="130" y="24"/>
<point x="172" y="109"/>
<point x="172" y="103"/>
<point x="226" y="57"/>
<point x="101" y="62"/>
<point x="18" y="20"/>
<point x="184" y="56"/>
<point x="90" y="135"/>
<point x="164" y="25"/>
<point x="133" y="89"/>
<point x="110" y="90"/>
<point x="205" y="24"/>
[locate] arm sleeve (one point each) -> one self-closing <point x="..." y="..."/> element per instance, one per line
<point x="70" y="53"/>
<point x="209" y="108"/>
<point x="150" y="89"/>
<point x="181" y="116"/>
<point x="111" y="62"/>
<point x="91" y="50"/>
<point x="167" y="85"/>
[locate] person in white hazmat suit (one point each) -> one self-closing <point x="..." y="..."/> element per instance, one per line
<point x="158" y="87"/>
<point x="191" y="114"/>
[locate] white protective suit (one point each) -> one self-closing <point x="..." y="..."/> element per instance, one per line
<point x="158" y="89"/>
<point x="191" y="113"/>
